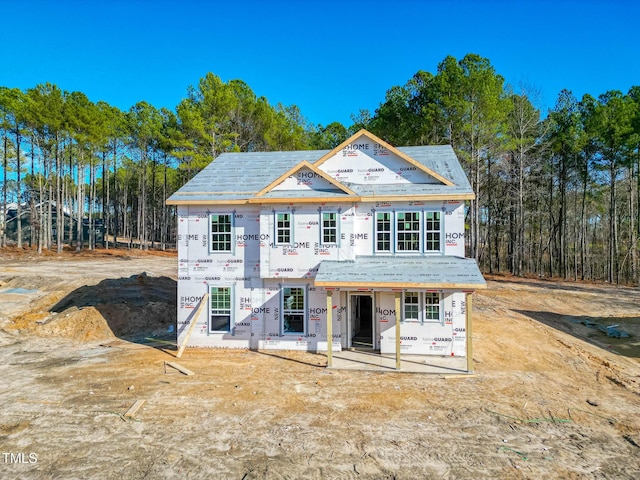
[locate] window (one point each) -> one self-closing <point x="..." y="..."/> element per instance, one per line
<point x="383" y="231"/>
<point x="329" y="227"/>
<point x="432" y="231"/>
<point x="293" y="310"/>
<point x="431" y="306"/>
<point x="421" y="307"/>
<point x="220" y="233"/>
<point x="220" y="312"/>
<point x="408" y="231"/>
<point x="412" y="307"/>
<point x="283" y="228"/>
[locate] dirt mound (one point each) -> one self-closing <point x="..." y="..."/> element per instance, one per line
<point x="132" y="307"/>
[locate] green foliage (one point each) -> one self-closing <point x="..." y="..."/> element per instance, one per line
<point x="329" y="137"/>
<point x="549" y="190"/>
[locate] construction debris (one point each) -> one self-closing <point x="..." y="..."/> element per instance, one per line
<point x="178" y="367"/>
<point x="134" y="408"/>
<point x="611" y="330"/>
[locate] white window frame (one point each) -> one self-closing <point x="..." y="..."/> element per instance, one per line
<point x="422" y="307"/>
<point x="425" y="295"/>
<point x="220" y="311"/>
<point x="438" y="231"/>
<point x="419" y="316"/>
<point x="293" y="311"/>
<point x="336" y="228"/>
<point x="399" y="232"/>
<point x="276" y="228"/>
<point x="389" y="232"/>
<point x="229" y="233"/>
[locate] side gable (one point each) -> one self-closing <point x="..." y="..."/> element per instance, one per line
<point x="365" y="159"/>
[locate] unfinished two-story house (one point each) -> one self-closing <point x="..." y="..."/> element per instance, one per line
<point x="361" y="246"/>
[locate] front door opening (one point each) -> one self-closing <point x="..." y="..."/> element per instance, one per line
<point x="362" y="321"/>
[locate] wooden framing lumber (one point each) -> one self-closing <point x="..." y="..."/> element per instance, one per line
<point x="134" y="408"/>
<point x="398" y="317"/>
<point x="180" y="368"/>
<point x="468" y="332"/>
<point x="314" y="169"/>
<point x="353" y="199"/>
<point x="194" y="320"/>
<point x="392" y="285"/>
<point x="391" y="148"/>
<point x="329" y="328"/>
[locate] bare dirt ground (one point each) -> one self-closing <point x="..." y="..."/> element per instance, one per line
<point x="83" y="337"/>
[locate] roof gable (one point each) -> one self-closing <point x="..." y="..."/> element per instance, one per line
<point x="365" y="159"/>
<point x="304" y="177"/>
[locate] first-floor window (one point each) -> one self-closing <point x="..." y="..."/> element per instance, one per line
<point x="421" y="307"/>
<point x="283" y="228"/>
<point x="293" y="310"/>
<point x="432" y="306"/>
<point x="412" y="307"/>
<point x="220" y="312"/>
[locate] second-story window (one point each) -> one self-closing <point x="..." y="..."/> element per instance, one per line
<point x="283" y="228"/>
<point x="329" y="227"/>
<point x="383" y="231"/>
<point x="408" y="231"/>
<point x="432" y="231"/>
<point x="220" y="232"/>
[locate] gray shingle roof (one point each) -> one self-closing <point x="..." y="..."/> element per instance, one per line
<point x="435" y="272"/>
<point x="239" y="176"/>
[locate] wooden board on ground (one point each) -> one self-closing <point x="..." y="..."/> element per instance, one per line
<point x="134" y="408"/>
<point x="180" y="368"/>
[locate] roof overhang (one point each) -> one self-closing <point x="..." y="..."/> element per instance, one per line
<point x="406" y="272"/>
<point x="347" y="198"/>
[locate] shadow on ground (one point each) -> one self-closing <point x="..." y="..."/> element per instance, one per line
<point x="140" y="308"/>
<point x="594" y="330"/>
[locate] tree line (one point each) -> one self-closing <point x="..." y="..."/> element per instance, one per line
<point x="68" y="163"/>
<point x="556" y="194"/>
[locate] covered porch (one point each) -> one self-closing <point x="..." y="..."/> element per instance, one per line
<point x="392" y="277"/>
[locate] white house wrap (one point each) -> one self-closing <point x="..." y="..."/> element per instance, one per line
<point x="279" y="238"/>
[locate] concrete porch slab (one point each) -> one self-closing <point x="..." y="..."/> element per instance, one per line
<point x="374" y="361"/>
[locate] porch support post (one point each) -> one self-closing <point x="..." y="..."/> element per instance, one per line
<point x="329" y="328"/>
<point x="398" y="316"/>
<point x="469" y="331"/>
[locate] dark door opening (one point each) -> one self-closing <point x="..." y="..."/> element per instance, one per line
<point x="362" y="321"/>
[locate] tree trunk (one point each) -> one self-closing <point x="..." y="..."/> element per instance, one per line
<point x="59" y="200"/>
<point x="79" y="200"/>
<point x="5" y="165"/>
<point x="612" y="223"/>
<point x="19" y="218"/>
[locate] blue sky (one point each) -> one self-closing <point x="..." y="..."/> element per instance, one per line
<point x="330" y="58"/>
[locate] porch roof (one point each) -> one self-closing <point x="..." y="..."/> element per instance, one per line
<point x="428" y="272"/>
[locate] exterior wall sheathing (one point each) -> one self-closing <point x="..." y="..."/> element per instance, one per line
<point x="256" y="284"/>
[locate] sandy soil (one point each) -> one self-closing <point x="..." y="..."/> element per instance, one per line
<point x="84" y="337"/>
